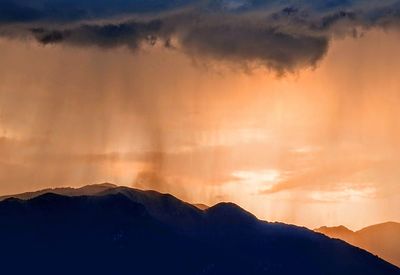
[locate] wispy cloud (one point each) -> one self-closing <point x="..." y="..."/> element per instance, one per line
<point x="330" y="174"/>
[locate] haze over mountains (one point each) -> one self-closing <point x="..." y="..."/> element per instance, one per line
<point x="380" y="239"/>
<point x="104" y="229"/>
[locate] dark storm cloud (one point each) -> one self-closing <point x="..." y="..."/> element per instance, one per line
<point x="282" y="35"/>
<point x="107" y="36"/>
<point x="269" y="46"/>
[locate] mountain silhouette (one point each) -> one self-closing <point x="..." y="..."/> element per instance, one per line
<point x="120" y="230"/>
<point x="67" y="191"/>
<point x="380" y="239"/>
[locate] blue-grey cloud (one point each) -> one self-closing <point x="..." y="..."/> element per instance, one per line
<point x="16" y="11"/>
<point x="282" y="35"/>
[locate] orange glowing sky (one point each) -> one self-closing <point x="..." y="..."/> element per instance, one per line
<point x="319" y="146"/>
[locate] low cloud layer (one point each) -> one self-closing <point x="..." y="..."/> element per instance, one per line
<point x="280" y="35"/>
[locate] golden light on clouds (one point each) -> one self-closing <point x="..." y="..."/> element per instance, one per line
<point x="314" y="147"/>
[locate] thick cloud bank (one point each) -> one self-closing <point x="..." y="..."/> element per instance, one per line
<point x="281" y="35"/>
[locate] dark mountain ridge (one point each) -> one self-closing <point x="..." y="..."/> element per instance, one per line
<point x="92" y="189"/>
<point x="128" y="231"/>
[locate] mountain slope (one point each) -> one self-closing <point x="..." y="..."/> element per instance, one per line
<point x="380" y="239"/>
<point x="127" y="231"/>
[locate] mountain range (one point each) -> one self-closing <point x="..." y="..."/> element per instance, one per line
<point x="380" y="239"/>
<point x="106" y="229"/>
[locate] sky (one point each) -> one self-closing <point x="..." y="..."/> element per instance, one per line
<point x="287" y="108"/>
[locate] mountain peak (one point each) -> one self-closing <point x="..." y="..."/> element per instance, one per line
<point x="227" y="212"/>
<point x="340" y="228"/>
<point x="381" y="226"/>
<point x="226" y="206"/>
